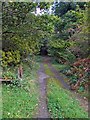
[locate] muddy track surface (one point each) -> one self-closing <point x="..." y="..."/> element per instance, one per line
<point x="42" y="108"/>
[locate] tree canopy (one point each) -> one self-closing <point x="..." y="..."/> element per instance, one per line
<point x="24" y="31"/>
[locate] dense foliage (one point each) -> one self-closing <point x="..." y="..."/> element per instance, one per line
<point x="22" y="31"/>
<point x="64" y="33"/>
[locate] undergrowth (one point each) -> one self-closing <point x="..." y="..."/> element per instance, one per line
<point x="20" y="99"/>
<point x="72" y="75"/>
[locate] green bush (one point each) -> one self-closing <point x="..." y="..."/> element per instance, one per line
<point x="59" y="49"/>
<point x="9" y="58"/>
<point x="8" y="75"/>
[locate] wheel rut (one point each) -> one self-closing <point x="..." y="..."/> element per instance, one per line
<point x="84" y="103"/>
<point x="42" y="107"/>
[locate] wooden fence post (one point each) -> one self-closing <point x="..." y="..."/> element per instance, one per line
<point x="20" y="72"/>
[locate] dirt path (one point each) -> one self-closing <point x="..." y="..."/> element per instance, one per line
<point x="59" y="77"/>
<point x="83" y="102"/>
<point x="47" y="60"/>
<point x="42" y="108"/>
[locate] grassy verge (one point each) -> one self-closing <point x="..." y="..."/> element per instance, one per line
<point x="49" y="72"/>
<point x="21" y="101"/>
<point x="61" y="67"/>
<point x="58" y="66"/>
<point x="62" y="103"/>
